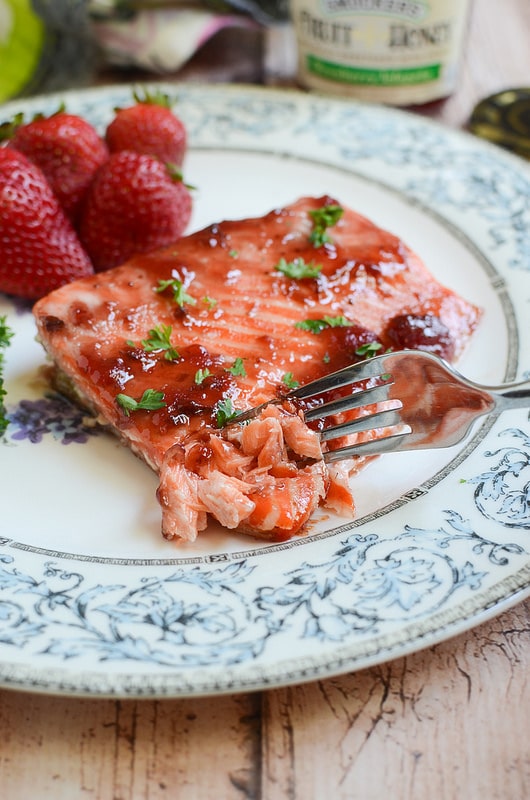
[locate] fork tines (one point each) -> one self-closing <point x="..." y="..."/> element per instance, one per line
<point x="358" y="398"/>
<point x="355" y="373"/>
<point x="356" y="377"/>
<point x="378" y="419"/>
<point x="368" y="386"/>
<point x="382" y="444"/>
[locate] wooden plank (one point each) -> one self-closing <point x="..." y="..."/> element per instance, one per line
<point x="451" y="721"/>
<point x="128" y="750"/>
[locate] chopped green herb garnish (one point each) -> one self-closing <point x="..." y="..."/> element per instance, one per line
<point x="324" y="218"/>
<point x="201" y="375"/>
<point x="237" y="369"/>
<point x="5" y="337"/>
<point x="159" y="340"/>
<point x="318" y="325"/>
<point x="311" y="325"/>
<point x="368" y="350"/>
<point x="224" y="412"/>
<point x="326" y="358"/>
<point x="298" y="268"/>
<point x="289" y="381"/>
<point x="233" y="253"/>
<point x="210" y="301"/>
<point x="151" y="400"/>
<point x="180" y="295"/>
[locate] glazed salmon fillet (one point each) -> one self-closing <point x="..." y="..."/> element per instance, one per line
<point x="167" y="347"/>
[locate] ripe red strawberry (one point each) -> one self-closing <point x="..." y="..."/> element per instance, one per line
<point x="134" y="205"/>
<point x="149" y="127"/>
<point x="39" y="249"/>
<point x="66" y="148"/>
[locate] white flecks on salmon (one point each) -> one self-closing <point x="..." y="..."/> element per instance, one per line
<point x="235" y="340"/>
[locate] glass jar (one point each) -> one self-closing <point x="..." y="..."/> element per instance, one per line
<point x="398" y="52"/>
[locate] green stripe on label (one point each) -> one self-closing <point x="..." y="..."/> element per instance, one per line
<point x="372" y="77"/>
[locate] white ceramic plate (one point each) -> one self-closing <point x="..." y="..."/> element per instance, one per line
<point x="94" y="601"/>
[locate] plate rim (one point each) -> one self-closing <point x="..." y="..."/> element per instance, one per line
<point x="127" y="684"/>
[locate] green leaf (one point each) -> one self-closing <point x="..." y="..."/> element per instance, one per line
<point x="180" y="295"/>
<point x="6" y="334"/>
<point x="324" y="218"/>
<point x="237" y="369"/>
<point x="316" y="326"/>
<point x="298" y="268"/>
<point x="289" y="381"/>
<point x="201" y="375"/>
<point x="224" y="412"/>
<point x="158" y="340"/>
<point x="368" y="350"/>
<point x="151" y="400"/>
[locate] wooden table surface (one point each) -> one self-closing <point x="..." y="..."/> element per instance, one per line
<point x="449" y="722"/>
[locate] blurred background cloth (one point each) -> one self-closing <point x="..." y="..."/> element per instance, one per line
<point x="50" y="45"/>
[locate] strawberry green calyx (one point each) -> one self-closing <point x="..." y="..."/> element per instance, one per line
<point x="11" y="126"/>
<point x="175" y="173"/>
<point x="7" y="129"/>
<point x="145" y="97"/>
<point x="156" y="98"/>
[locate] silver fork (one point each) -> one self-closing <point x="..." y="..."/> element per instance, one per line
<point x="426" y="403"/>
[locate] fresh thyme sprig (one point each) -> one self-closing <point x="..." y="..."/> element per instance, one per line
<point x="6" y="334"/>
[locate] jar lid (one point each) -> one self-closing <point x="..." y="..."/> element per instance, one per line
<point x="504" y="118"/>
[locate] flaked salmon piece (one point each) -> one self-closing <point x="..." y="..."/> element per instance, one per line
<point x="183" y="514"/>
<point x="226" y="498"/>
<point x="166" y="347"/>
<point x="339" y="495"/>
<point x="250" y="482"/>
<point x="285" y="504"/>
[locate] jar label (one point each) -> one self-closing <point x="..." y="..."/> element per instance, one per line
<point x="399" y="51"/>
<point x="409" y="76"/>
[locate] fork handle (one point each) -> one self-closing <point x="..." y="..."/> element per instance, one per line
<point x="511" y="395"/>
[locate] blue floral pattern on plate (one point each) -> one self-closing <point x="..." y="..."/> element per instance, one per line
<point x="423" y="566"/>
<point x="51" y="414"/>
